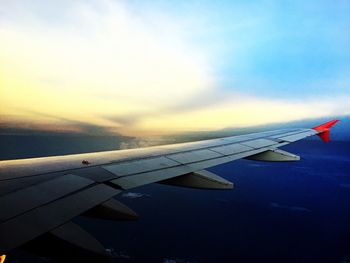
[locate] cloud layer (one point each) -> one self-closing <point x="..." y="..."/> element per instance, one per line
<point x="136" y="71"/>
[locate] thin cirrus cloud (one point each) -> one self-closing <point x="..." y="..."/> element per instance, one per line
<point x="142" y="68"/>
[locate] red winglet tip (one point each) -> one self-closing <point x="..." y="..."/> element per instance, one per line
<point x="324" y="136"/>
<point x="325" y="126"/>
<point x="323" y="130"/>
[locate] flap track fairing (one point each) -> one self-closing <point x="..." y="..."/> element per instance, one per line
<point x="274" y="155"/>
<point x="112" y="210"/>
<point x="201" y="179"/>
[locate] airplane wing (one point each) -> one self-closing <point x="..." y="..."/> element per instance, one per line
<point x="43" y="195"/>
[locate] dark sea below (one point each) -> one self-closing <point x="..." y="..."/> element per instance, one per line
<point x="277" y="212"/>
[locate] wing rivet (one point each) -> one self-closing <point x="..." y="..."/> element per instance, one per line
<point x="86" y="162"/>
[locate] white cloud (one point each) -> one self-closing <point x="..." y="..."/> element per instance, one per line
<point x="116" y="61"/>
<point x="87" y="60"/>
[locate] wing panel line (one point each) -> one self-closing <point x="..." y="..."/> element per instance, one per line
<point x="34" y="223"/>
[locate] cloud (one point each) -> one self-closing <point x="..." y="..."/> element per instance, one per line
<point x="33" y="121"/>
<point x="100" y="61"/>
<point x="247" y="111"/>
<point x="116" y="67"/>
<point x="140" y="142"/>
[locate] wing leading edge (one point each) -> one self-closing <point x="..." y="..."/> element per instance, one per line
<point x="42" y="195"/>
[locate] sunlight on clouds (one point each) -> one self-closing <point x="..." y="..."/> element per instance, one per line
<point x="106" y="62"/>
<point x="246" y="112"/>
<point x="101" y="64"/>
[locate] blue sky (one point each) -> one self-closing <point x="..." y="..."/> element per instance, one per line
<point x="151" y="67"/>
<point x="278" y="48"/>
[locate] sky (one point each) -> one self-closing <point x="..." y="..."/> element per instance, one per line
<point x="142" y="67"/>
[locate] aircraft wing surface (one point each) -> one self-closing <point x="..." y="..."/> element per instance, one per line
<point x="42" y="195"/>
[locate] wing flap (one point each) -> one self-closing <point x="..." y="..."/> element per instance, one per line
<point x="194" y="156"/>
<point x="76" y="236"/>
<point x="39" y="194"/>
<point x="132" y="181"/>
<point x="231" y="149"/>
<point x="40" y="220"/>
<point x="9" y="186"/>
<point x="259" y="143"/>
<point x="139" y="166"/>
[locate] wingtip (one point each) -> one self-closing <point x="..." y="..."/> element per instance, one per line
<point x="325" y="126"/>
<point x="324" y="130"/>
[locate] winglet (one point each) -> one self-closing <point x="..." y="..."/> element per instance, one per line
<point x="323" y="130"/>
